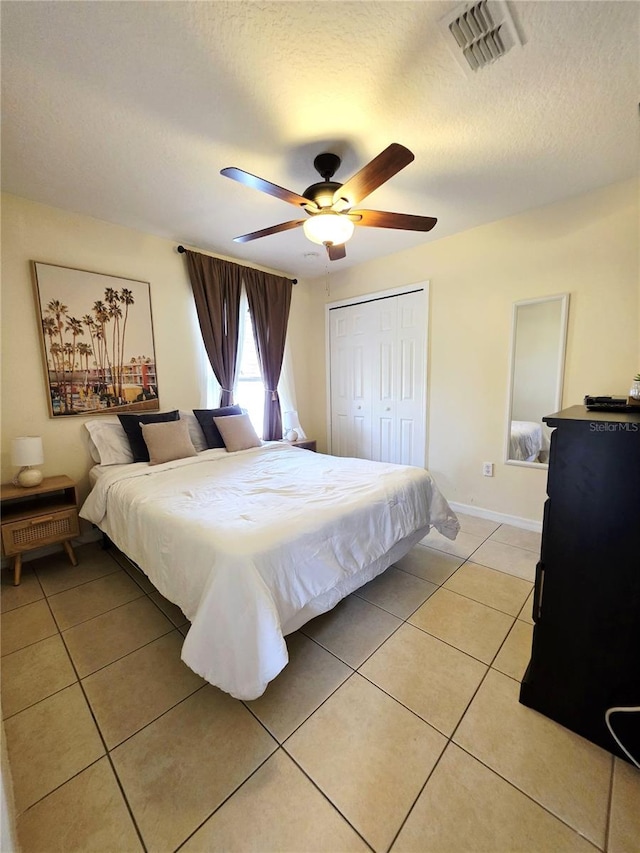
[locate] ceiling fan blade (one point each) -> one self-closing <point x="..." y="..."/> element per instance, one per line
<point x="275" y="229"/>
<point x="374" y="174"/>
<point x="266" y="187"/>
<point x="336" y="253"/>
<point x="403" y="221"/>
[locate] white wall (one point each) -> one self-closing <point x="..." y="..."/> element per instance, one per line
<point x="36" y="232"/>
<point x="587" y="246"/>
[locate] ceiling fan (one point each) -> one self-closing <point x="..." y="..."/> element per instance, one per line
<point x="329" y="205"/>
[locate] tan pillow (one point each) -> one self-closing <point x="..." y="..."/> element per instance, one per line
<point x="237" y="432"/>
<point x="167" y="441"/>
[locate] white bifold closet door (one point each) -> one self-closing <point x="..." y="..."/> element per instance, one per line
<point x="378" y="378"/>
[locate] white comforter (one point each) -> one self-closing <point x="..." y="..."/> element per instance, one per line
<point x="242" y="542"/>
<point x="525" y="440"/>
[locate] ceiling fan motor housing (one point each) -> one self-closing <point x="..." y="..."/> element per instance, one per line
<point x="322" y="193"/>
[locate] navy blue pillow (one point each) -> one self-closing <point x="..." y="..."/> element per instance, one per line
<point x="205" y="419"/>
<point x="131" y="425"/>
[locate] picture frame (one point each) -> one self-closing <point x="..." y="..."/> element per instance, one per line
<point x="96" y="334"/>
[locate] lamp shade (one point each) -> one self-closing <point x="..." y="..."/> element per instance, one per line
<point x="328" y="227"/>
<point x="27" y="450"/>
<point x="290" y="421"/>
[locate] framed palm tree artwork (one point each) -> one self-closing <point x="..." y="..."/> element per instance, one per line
<point x="97" y="341"/>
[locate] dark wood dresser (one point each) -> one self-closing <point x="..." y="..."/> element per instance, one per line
<point x="585" y="656"/>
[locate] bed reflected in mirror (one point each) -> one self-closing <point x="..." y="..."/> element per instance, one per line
<point x="539" y="329"/>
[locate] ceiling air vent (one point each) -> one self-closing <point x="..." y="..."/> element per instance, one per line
<point x="480" y="33"/>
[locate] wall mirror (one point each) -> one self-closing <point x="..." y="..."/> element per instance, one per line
<point x="538" y="338"/>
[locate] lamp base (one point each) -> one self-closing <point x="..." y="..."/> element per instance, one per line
<point x="29" y="477"/>
<point x="291" y="435"/>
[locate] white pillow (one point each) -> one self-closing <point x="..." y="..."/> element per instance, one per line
<point x="108" y="442"/>
<point x="195" y="431"/>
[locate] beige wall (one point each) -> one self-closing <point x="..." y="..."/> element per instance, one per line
<point x="36" y="232"/>
<point x="587" y="246"/>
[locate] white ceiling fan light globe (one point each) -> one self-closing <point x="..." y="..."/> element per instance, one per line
<point x="328" y="227"/>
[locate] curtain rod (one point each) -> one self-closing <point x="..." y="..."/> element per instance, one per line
<point x="182" y="250"/>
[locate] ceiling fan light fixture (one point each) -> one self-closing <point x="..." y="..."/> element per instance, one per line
<point x="328" y="227"/>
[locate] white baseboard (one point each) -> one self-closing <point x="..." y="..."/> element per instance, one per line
<point x="93" y="535"/>
<point x="500" y="517"/>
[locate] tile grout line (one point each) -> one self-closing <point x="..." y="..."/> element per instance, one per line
<point x="406" y="622"/>
<point x="35" y="642"/>
<point x="38" y="701"/>
<point x="395" y="699"/>
<point x="127" y="654"/>
<point x="529" y="796"/>
<point x="484" y="603"/>
<point x="493" y="770"/>
<point x="79" y="681"/>
<point x="99" y="733"/>
<point x="155" y="719"/>
<point x="81" y="583"/>
<point x="357" y="669"/>
<point x="317" y="786"/>
<point x="308" y="717"/>
<point x="325" y="700"/>
<point x="354" y="671"/>
<point x="418" y="795"/>
<point x="450" y="739"/>
<point x="19" y="606"/>
<point x="103" y="613"/>
<point x="484" y="542"/>
<point x="281" y="746"/>
<point x="607" y="829"/>
<point x="228" y="797"/>
<point x="104" y="744"/>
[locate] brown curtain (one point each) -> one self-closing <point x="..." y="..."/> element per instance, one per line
<point x="216" y="287"/>
<point x="269" y="298"/>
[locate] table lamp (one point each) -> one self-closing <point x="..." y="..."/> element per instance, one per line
<point x="26" y="451"/>
<point x="290" y="425"/>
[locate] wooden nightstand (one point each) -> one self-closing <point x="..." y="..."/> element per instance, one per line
<point x="41" y="515"/>
<point x="305" y="444"/>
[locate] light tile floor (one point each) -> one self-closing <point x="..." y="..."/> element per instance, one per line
<point x="395" y="726"/>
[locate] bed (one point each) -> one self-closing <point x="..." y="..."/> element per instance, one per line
<point x="251" y="545"/>
<point x="528" y="442"/>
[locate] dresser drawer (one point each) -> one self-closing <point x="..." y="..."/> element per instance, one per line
<point x="45" y="529"/>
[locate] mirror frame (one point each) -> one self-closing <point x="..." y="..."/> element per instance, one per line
<point x="563" y="298"/>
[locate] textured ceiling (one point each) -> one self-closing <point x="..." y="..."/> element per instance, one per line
<point x="127" y="111"/>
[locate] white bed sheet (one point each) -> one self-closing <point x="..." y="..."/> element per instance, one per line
<point x="525" y="441"/>
<point x="250" y="545"/>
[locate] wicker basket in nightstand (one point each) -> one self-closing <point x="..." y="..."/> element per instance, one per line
<point x="37" y="516"/>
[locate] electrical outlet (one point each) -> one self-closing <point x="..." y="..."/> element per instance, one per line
<point x="487" y="469"/>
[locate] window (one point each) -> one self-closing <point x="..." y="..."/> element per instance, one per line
<point x="249" y="390"/>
